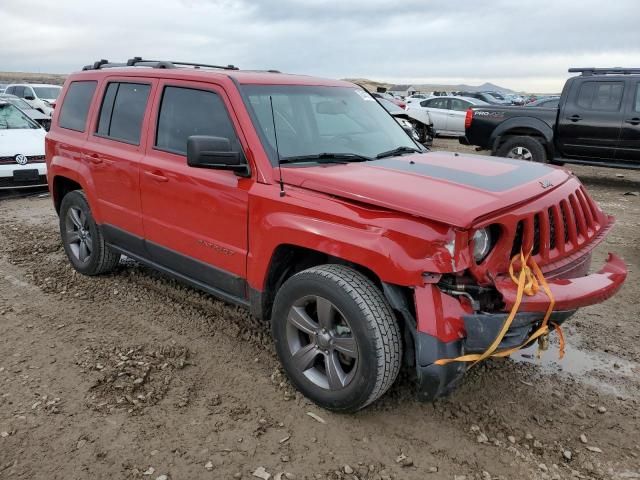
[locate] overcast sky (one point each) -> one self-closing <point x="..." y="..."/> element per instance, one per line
<point x="520" y="44"/>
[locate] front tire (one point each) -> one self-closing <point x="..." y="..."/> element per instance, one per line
<point x="82" y="239"/>
<point x="523" y="148"/>
<point x="337" y="337"/>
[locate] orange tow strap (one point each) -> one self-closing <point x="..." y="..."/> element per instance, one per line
<point x="528" y="281"/>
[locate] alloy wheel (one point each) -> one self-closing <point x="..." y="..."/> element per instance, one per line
<point x="520" y="153"/>
<point x="321" y="343"/>
<point x="78" y="234"/>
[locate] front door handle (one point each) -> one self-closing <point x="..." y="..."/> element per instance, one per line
<point x="575" y="118"/>
<point x="633" y="121"/>
<point x="158" y="177"/>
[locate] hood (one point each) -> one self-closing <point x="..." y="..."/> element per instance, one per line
<point x="421" y="116"/>
<point x="27" y="141"/>
<point x="34" y="114"/>
<point x="446" y="187"/>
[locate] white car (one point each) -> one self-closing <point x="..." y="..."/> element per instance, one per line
<point x="447" y="113"/>
<point x="22" y="160"/>
<point x="416" y="97"/>
<point x="40" y="96"/>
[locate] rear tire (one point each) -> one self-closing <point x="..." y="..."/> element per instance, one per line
<point x="82" y="239"/>
<point x="523" y="148"/>
<point x="337" y="337"/>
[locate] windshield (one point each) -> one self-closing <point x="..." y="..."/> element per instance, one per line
<point x="314" y="120"/>
<point x="47" y="92"/>
<point x="390" y="106"/>
<point x="18" y="102"/>
<point x="11" y="117"/>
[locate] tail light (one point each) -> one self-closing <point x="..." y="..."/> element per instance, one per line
<point x="468" y="118"/>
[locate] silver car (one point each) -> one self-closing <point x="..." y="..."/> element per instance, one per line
<point x="447" y="113"/>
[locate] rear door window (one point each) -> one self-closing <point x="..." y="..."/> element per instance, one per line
<point x="435" y="103"/>
<point x="75" y="108"/>
<point x="122" y="111"/>
<point x="185" y="112"/>
<point x="603" y="96"/>
<point x="637" y="103"/>
<point x="459" y="105"/>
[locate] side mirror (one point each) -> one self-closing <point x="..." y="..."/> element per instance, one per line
<point x="29" y="97"/>
<point x="204" y="151"/>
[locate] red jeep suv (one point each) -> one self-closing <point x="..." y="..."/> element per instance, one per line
<point x="303" y="200"/>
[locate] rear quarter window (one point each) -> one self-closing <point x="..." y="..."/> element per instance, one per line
<point x="122" y="111"/>
<point x="75" y="107"/>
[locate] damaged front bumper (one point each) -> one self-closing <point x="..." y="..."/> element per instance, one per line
<point x="447" y="329"/>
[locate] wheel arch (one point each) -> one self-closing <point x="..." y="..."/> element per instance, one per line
<point x="523" y="126"/>
<point x="289" y="259"/>
<point x="61" y="186"/>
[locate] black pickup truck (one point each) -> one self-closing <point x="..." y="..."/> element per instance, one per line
<point x="597" y="122"/>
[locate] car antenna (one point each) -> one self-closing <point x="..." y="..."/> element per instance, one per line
<point x="275" y="135"/>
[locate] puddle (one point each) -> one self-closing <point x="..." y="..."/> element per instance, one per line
<point x="601" y="370"/>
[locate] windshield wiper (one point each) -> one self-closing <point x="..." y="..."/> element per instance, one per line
<point x="326" y="158"/>
<point x="397" y="151"/>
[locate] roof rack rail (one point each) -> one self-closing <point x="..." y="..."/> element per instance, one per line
<point x="605" y="71"/>
<point x="140" y="62"/>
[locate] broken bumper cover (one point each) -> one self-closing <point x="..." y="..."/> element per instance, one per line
<point x="478" y="330"/>
<point x="570" y="293"/>
<point x="483" y="328"/>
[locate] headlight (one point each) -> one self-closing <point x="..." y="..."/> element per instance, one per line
<point x="482" y="243"/>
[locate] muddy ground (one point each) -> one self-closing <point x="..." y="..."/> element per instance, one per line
<point x="133" y="375"/>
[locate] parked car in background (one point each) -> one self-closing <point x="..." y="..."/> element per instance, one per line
<point x="597" y="122"/>
<point x="3" y="87"/>
<point x="514" y="99"/>
<point x="43" y="119"/>
<point x="40" y="96"/>
<point x="487" y="97"/>
<point x="546" y="102"/>
<point x="22" y="160"/>
<point x="416" y="123"/>
<point x="416" y="97"/>
<point x="389" y="97"/>
<point x="447" y="113"/>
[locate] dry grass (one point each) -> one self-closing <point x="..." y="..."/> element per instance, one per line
<point x="26" y="77"/>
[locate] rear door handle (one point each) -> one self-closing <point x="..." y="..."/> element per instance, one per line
<point x="633" y="121"/>
<point x="158" y="177"/>
<point x="575" y="118"/>
<point x="93" y="158"/>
